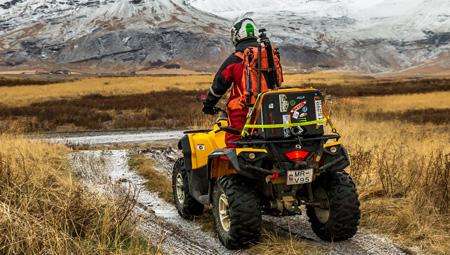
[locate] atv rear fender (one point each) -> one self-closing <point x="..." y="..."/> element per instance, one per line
<point x="229" y="161"/>
<point x="335" y="157"/>
<point x="236" y="161"/>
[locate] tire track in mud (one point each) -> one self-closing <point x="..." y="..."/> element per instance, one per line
<point x="107" y="172"/>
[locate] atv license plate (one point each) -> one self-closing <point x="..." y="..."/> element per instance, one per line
<point x="299" y="176"/>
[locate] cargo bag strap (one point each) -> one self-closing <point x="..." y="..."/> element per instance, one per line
<point x="333" y="129"/>
<point x="286" y="125"/>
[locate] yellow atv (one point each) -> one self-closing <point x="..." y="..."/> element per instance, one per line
<point x="283" y="161"/>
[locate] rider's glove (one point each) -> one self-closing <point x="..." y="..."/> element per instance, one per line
<point x="210" y="102"/>
<point x="208" y="109"/>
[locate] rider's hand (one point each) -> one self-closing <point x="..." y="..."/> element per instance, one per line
<point x="208" y="109"/>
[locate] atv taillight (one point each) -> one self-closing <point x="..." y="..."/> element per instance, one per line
<point x="296" y="155"/>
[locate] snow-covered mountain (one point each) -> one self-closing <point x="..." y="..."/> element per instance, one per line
<point x="108" y="34"/>
<point x="375" y="35"/>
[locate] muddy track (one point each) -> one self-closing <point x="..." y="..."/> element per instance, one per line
<point x="158" y="220"/>
<point x="107" y="172"/>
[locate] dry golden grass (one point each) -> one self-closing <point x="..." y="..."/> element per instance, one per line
<point x="351" y="78"/>
<point x="328" y="78"/>
<point x="273" y="243"/>
<point x="120" y="103"/>
<point x="402" y="171"/>
<point x="165" y="109"/>
<point x="275" y="240"/>
<point x="25" y="95"/>
<point x="44" y="210"/>
<point x="436" y="100"/>
<point x="342" y="84"/>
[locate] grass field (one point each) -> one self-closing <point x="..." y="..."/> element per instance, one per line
<point x="110" y="86"/>
<point x="337" y="84"/>
<point x="397" y="131"/>
<point x="45" y="210"/>
<point x="169" y="102"/>
<point x="402" y="170"/>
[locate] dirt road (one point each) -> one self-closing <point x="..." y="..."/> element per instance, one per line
<point x="107" y="171"/>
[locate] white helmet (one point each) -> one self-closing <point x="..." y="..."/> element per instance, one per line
<point x="243" y="29"/>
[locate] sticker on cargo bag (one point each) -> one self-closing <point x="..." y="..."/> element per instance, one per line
<point x="297" y="115"/>
<point x="284" y="103"/>
<point x="271" y="106"/>
<point x="318" y="106"/>
<point x="286" y="120"/>
<point x="299" y="106"/>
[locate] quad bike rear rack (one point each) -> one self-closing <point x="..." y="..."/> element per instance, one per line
<point x="267" y="171"/>
<point x="298" y="139"/>
<point x="323" y="139"/>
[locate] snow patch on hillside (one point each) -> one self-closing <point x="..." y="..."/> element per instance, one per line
<point x="390" y="19"/>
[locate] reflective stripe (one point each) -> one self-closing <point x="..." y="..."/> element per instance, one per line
<point x="299" y="124"/>
<point x="306" y="123"/>
<point x="212" y="92"/>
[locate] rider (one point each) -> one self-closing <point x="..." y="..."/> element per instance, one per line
<point x="243" y="35"/>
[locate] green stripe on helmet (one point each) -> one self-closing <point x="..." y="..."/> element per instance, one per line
<point x="243" y="29"/>
<point x="250" y="29"/>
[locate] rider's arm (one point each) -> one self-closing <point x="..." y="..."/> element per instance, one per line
<point x="222" y="81"/>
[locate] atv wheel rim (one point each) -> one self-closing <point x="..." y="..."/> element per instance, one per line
<point x="180" y="188"/>
<point x="323" y="212"/>
<point x="224" y="215"/>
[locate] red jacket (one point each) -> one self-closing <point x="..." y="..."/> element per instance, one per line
<point x="229" y="75"/>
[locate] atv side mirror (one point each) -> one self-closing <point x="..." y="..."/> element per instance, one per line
<point x="201" y="97"/>
<point x="328" y="105"/>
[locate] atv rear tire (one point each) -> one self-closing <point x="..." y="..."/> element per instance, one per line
<point x="186" y="205"/>
<point x="236" y="211"/>
<point x="340" y="220"/>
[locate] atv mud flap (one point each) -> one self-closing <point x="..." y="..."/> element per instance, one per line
<point x="199" y="183"/>
<point x="335" y="159"/>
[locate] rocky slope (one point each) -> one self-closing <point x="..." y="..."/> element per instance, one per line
<point x="375" y="36"/>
